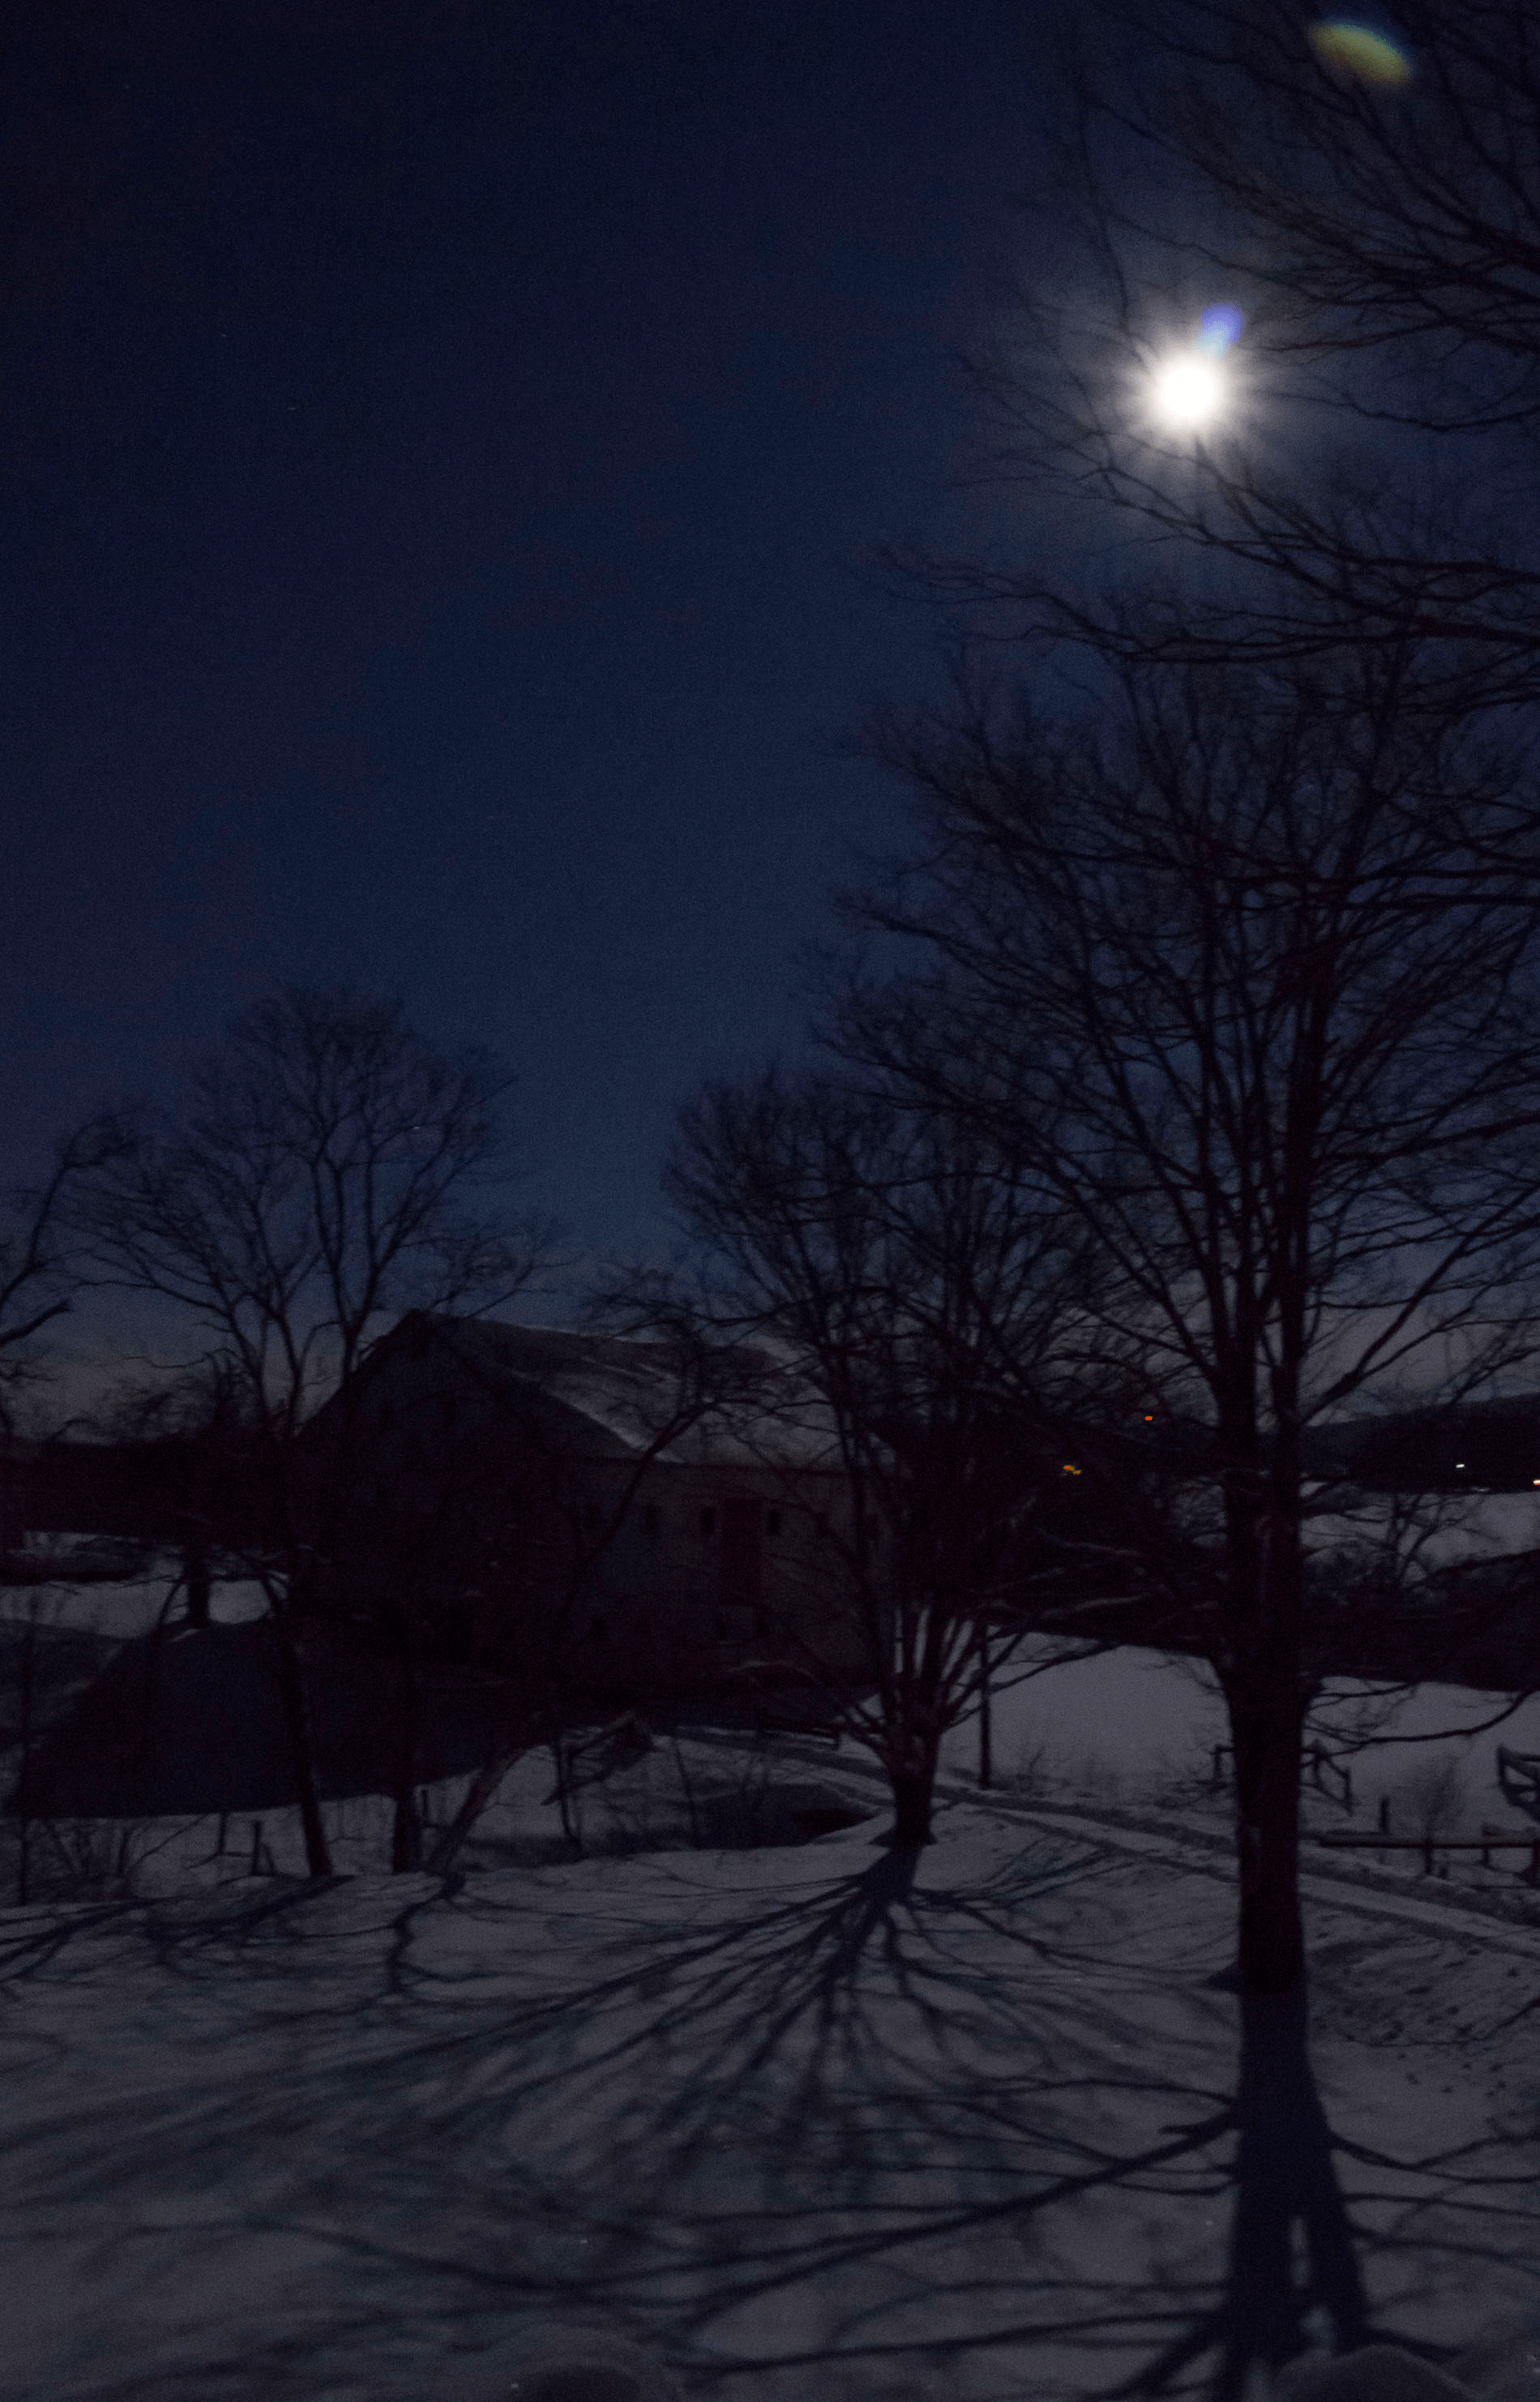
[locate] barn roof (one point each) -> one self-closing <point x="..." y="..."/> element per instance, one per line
<point x="614" y="1397"/>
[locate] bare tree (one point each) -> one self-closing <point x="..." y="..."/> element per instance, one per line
<point x="1372" y="474"/>
<point x="38" y="1278"/>
<point x="923" y="1309"/>
<point x="38" y="1287"/>
<point x="313" y="1186"/>
<point x="1184" y="971"/>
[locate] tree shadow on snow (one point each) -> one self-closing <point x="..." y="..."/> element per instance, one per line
<point x="810" y="2127"/>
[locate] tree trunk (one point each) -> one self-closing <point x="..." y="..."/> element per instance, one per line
<point x="23" y="1786"/>
<point x="1262" y="1684"/>
<point x="558" y="1761"/>
<point x="1265" y="1733"/>
<point x="407" y="1829"/>
<point x="482" y="1789"/>
<point x="296" y="1722"/>
<point x="195" y="1576"/>
<point x="913" y="1778"/>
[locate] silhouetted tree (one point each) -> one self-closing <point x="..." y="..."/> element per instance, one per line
<point x="1204" y="975"/>
<point x="311" y="1188"/>
<point x="923" y="1310"/>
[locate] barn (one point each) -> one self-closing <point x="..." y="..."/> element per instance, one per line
<point x="630" y="1515"/>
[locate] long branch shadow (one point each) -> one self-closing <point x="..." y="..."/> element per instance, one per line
<point x="961" y="2122"/>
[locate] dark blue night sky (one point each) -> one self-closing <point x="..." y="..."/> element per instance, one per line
<point x="445" y="452"/>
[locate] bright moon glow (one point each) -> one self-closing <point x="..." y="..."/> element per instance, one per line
<point x="1188" y="391"/>
<point x="1357" y="53"/>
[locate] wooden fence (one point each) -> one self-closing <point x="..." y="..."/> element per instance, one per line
<point x="1518" y="1773"/>
<point x="1490" y="1840"/>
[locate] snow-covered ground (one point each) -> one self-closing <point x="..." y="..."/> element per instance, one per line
<point x="1125" y="1719"/>
<point x="807" y="2122"/>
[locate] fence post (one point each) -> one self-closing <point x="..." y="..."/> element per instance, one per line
<point x="256" y="1849"/>
<point x="1428" y="1855"/>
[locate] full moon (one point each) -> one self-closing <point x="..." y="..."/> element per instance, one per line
<point x="1188" y="391"/>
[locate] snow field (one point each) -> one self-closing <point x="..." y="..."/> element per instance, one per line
<point x="798" y="2122"/>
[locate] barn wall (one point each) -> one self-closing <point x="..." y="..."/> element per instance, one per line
<point x="515" y="1524"/>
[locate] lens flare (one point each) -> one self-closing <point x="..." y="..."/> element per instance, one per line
<point x="1188" y="390"/>
<point x="1355" y="53"/>
<point x="1218" y="328"/>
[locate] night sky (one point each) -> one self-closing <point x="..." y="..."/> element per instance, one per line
<point x="445" y="453"/>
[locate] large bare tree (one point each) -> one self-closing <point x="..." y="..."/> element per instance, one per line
<point x="1199" y="970"/>
<point x="318" y="1181"/>
<point x="921" y="1310"/>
